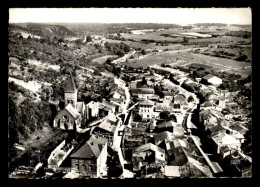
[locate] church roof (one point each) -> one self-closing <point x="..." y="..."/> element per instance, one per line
<point x="72" y="111"/>
<point x="70" y="87"/>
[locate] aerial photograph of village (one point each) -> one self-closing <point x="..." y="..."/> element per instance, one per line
<point x="96" y="93"/>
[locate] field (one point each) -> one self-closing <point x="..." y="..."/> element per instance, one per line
<point x="101" y="60"/>
<point x="187" y="58"/>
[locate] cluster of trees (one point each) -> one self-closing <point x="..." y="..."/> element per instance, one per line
<point x="27" y="117"/>
<point x="243" y="34"/>
<point x="158" y="90"/>
<point x="166" y="116"/>
<point x="117" y="48"/>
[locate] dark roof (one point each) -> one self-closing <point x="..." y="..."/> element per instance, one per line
<point x="143" y="91"/>
<point x="167" y="124"/>
<point x="215" y="128"/>
<point x="237" y="128"/>
<point x="70" y="87"/>
<point x="91" y="149"/>
<point x="166" y="93"/>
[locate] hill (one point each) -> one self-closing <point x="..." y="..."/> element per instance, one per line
<point x="43" y="30"/>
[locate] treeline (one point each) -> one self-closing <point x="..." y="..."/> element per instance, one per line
<point x="108" y="28"/>
<point x="243" y="34"/>
<point x="211" y="24"/>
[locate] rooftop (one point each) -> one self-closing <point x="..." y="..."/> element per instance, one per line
<point x="70" y="86"/>
<point x="91" y="149"/>
<point x="72" y="111"/>
<point x="147" y="102"/>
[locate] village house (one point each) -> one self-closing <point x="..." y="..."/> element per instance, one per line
<point x="146" y="109"/>
<point x="97" y="109"/>
<point x="143" y="93"/>
<point x="183" y="154"/>
<point x="168" y="95"/>
<point x="108" y="128"/>
<point x="90" y="159"/>
<point x="147" y="154"/>
<point x="221" y="140"/>
<point x="160" y="139"/>
<point x="211" y="79"/>
<point x="92" y="109"/>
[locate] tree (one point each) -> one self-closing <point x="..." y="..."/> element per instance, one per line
<point x="144" y="82"/>
<point x="164" y="115"/>
<point x="137" y="117"/>
<point x="89" y="39"/>
<point x="185" y="40"/>
<point x="120" y="53"/>
<point x="190" y="99"/>
<point x="171" y="117"/>
<point x="109" y="60"/>
<point x="171" y="77"/>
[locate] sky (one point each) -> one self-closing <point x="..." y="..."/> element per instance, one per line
<point x="131" y="15"/>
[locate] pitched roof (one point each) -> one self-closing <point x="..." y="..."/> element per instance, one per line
<point x="70" y="87"/>
<point x="147" y="102"/>
<point x="168" y="124"/>
<point x="72" y="111"/>
<point x="238" y="128"/>
<point x="180" y="97"/>
<point x="91" y="149"/>
<point x="108" y="104"/>
<point x="163" y="136"/>
<point x="109" y="124"/>
<point x="166" y="93"/>
<point x="209" y="76"/>
<point x="143" y="91"/>
<point x="204" y="169"/>
<point x="149" y="146"/>
<point x="225" y="139"/>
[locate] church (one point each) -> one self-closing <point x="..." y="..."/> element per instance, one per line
<point x="73" y="115"/>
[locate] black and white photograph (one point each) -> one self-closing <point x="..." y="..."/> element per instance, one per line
<point x="129" y="93"/>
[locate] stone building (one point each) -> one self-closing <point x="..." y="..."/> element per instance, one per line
<point x="146" y="109"/>
<point x="90" y="159"/>
<point x="73" y="115"/>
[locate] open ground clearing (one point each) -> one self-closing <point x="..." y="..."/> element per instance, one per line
<point x="41" y="65"/>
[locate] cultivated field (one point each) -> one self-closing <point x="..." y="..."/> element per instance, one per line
<point x="186" y="58"/>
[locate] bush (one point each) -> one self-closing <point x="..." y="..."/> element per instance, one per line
<point x="143" y="52"/>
